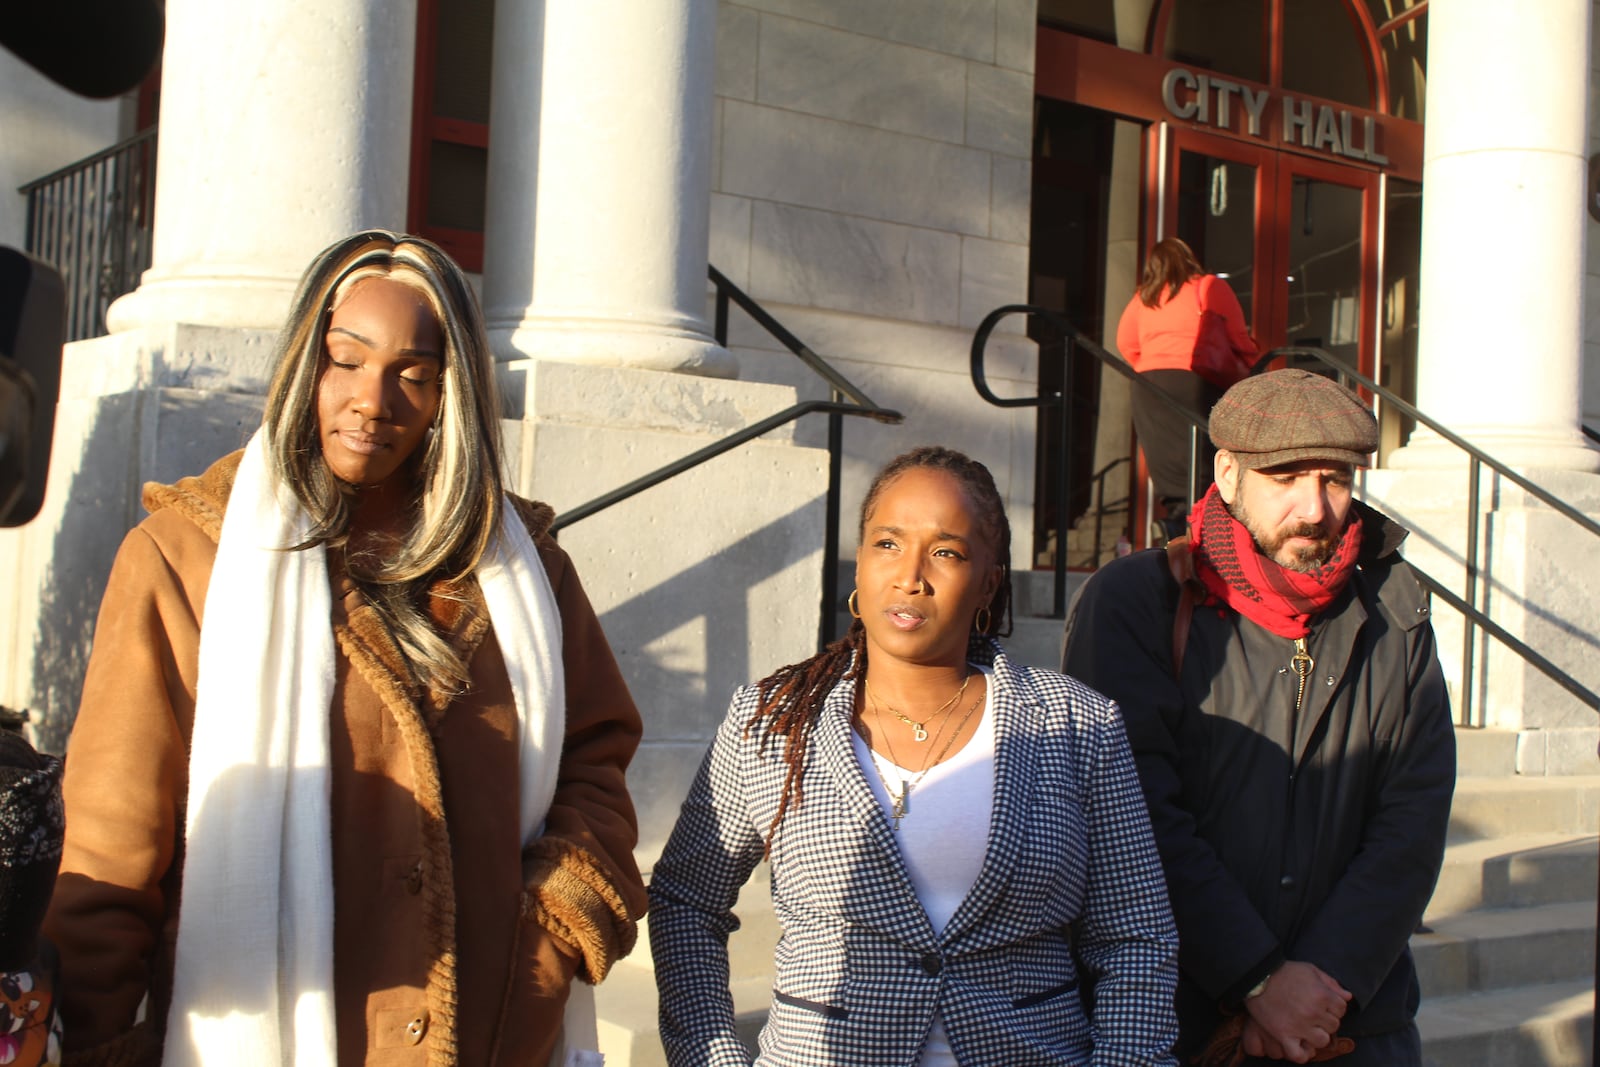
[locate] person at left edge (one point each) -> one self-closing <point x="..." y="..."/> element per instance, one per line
<point x="961" y="860"/>
<point x="351" y="697"/>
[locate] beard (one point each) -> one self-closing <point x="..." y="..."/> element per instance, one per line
<point x="1274" y="544"/>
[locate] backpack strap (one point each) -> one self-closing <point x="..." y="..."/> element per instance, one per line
<point x="1190" y="591"/>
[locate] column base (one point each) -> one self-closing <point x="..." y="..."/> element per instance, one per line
<point x="682" y="347"/>
<point x="235" y="301"/>
<point x="1521" y="450"/>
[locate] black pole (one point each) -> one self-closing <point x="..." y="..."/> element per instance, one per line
<point x="1058" y="608"/>
<point x="827" y="630"/>
<point x="1469" y="627"/>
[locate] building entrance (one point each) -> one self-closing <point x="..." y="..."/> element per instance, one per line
<point x="1296" y="238"/>
<point x="1303" y="192"/>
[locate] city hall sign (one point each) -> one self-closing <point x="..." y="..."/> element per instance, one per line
<point x="1234" y="107"/>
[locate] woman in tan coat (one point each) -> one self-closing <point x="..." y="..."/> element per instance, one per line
<point x="349" y="699"/>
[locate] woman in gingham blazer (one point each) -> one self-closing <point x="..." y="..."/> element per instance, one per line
<point x="962" y="862"/>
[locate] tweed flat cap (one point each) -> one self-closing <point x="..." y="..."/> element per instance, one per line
<point x="1286" y="416"/>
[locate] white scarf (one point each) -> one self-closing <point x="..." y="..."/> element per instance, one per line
<point x="254" y="970"/>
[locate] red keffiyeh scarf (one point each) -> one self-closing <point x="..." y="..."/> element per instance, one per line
<point x="1236" y="573"/>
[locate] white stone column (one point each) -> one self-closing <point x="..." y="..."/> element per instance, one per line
<point x="612" y="268"/>
<point x="284" y="126"/>
<point x="1503" y="229"/>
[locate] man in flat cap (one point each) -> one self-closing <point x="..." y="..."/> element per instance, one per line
<point x="1277" y="676"/>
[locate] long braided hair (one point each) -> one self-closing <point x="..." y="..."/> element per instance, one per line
<point x="791" y="697"/>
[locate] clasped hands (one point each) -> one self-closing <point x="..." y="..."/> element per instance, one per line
<point x="1296" y="1015"/>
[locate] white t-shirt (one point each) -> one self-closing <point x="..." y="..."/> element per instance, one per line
<point x="944" y="833"/>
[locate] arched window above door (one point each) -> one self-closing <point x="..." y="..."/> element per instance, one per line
<point x="1220" y="35"/>
<point x="1328" y="51"/>
<point x="1367" y="53"/>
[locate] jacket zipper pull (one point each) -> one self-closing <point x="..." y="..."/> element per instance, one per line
<point x="1302" y="664"/>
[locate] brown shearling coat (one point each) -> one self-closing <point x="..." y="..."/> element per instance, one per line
<point x="452" y="944"/>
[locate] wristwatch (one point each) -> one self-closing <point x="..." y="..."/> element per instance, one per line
<point x="1260" y="987"/>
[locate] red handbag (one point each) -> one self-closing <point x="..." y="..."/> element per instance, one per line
<point x="1214" y="357"/>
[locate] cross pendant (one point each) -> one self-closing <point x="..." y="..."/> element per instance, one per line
<point x="900" y="808"/>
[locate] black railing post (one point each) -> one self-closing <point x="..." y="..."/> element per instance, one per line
<point x="1099" y="499"/>
<point x="1058" y="597"/>
<point x="845" y="399"/>
<point x="828" y="631"/>
<point x="721" y="326"/>
<point x="1194" y="464"/>
<point x="1470" y="627"/>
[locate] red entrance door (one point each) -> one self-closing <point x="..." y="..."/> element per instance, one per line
<point x="1296" y="237"/>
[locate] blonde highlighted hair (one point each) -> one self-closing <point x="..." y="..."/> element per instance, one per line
<point x="458" y="493"/>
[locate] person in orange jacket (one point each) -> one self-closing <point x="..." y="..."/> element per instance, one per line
<point x="1157" y="335"/>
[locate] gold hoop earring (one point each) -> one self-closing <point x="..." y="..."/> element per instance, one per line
<point x="850" y="602"/>
<point x="981" y="620"/>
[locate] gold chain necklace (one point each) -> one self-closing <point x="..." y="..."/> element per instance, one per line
<point x="901" y="801"/>
<point x="919" y="730"/>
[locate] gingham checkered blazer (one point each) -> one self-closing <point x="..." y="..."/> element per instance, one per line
<point x="1069" y="910"/>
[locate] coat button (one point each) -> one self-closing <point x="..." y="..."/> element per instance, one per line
<point x="1286" y="882"/>
<point x="932" y="963"/>
<point x="414" y="879"/>
<point x="417" y="1028"/>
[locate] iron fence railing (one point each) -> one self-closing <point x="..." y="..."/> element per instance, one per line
<point x="844" y="399"/>
<point x="1072" y="340"/>
<point x="1473" y="617"/>
<point x="92" y="222"/>
<point x="1465" y="602"/>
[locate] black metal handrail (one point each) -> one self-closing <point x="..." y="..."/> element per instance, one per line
<point x="92" y="221"/>
<point x="1073" y="339"/>
<point x="1100" y="511"/>
<point x="845" y="398"/>
<point x="1477" y="459"/>
<point x="1473" y="617"/>
<point x="1590" y="432"/>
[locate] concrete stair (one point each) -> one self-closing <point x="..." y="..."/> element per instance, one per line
<point x="626" y="1004"/>
<point x="1507" y="967"/>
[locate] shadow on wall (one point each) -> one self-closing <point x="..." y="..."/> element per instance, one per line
<point x="1520" y="586"/>
<point x="126" y="439"/>
<point x="718" y="602"/>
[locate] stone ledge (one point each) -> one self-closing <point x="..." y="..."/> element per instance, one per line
<point x="1525" y="870"/>
<point x="1537" y="1026"/>
<point x="636" y="400"/>
<point x="1571" y="751"/>
<point x="175" y="356"/>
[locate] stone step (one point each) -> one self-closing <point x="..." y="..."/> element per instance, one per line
<point x="1535" y="1026"/>
<point x="1503" y="949"/>
<point x="1503" y="807"/>
<point x="627" y="1022"/>
<point x="1505" y="872"/>
<point x="1035" y="642"/>
<point x="1033" y="592"/>
<point x="1483" y="753"/>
